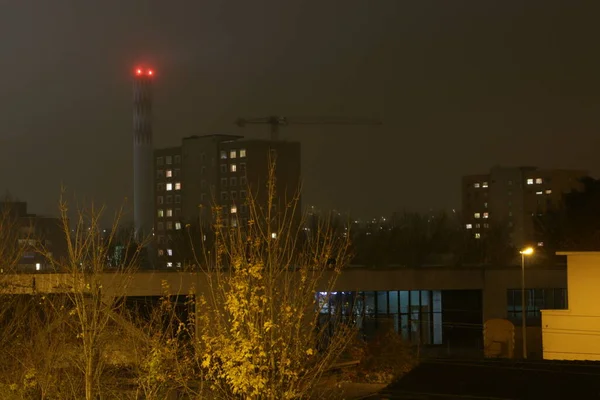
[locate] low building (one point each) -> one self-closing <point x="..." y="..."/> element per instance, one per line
<point x="27" y="236"/>
<point x="574" y="333"/>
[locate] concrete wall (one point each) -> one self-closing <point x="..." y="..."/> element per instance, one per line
<point x="574" y="334"/>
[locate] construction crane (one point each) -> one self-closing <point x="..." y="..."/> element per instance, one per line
<point x="277" y="121"/>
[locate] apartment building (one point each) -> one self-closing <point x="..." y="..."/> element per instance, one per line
<point x="513" y="196"/>
<point x="215" y="170"/>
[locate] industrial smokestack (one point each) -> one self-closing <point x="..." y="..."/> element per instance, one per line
<point x="143" y="153"/>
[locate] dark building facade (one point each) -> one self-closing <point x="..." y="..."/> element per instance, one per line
<point x="215" y="170"/>
<point x="26" y="234"/>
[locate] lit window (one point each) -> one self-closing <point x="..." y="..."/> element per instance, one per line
<point x="530" y="181"/>
<point x="169" y="264"/>
<point x="484" y="205"/>
<point x="169" y="212"/>
<point x="169" y="186"/>
<point x="539" y="192"/>
<point x="177" y="225"/>
<point x="242" y="153"/>
<point x="484" y="184"/>
<point x="548" y="191"/>
<point x="478" y="236"/>
<point x="38" y="266"/>
<point x="178" y="264"/>
<point x="169" y="225"/>
<point x="223" y="155"/>
<point x="160" y="213"/>
<point x="233" y="167"/>
<point x="159" y="161"/>
<point x="232" y="154"/>
<point x="273" y="235"/>
<point x="539" y="181"/>
<point x="169" y="173"/>
<point x="233" y="209"/>
<point x="469" y="226"/>
<point x="477" y="215"/>
<point x="486" y="215"/>
<point x="476" y="185"/>
<point x="540" y="244"/>
<point x="177" y="185"/>
<point x="161" y="252"/>
<point x="169" y="252"/>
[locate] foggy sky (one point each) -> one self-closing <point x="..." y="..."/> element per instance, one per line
<point x="460" y="86"/>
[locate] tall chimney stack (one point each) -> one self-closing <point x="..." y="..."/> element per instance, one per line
<point x="143" y="153"/>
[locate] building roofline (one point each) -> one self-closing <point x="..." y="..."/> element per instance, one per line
<point x="577" y="253"/>
<point x="217" y="135"/>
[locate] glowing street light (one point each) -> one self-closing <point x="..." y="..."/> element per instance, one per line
<point x="528" y="251"/>
<point x="525" y="252"/>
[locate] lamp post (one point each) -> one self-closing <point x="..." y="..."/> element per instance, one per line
<point x="525" y="252"/>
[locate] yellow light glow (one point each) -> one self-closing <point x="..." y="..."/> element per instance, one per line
<point x="528" y="251"/>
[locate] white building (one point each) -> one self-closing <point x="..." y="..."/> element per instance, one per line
<point x="574" y="333"/>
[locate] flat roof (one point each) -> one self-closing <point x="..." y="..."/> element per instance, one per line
<point x="577" y="253"/>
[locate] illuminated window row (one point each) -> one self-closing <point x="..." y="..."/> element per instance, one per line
<point x="538" y="181"/>
<point x="160" y="226"/>
<point x="478" y="185"/>
<point x="241" y="153"/>
<point x="479" y="215"/>
<point x="477" y="226"/>
<point x="233" y="168"/>
<point x="168" y="173"/>
<point x="168" y="186"/>
<point x="168" y="212"/>
<point x="547" y="191"/>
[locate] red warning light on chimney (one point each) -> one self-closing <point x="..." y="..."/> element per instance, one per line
<point x="150" y="72"/>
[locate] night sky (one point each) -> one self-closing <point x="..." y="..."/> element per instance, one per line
<point x="460" y="86"/>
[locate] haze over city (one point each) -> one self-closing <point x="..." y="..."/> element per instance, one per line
<point x="460" y="86"/>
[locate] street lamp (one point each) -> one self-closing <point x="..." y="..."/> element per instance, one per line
<point x="525" y="252"/>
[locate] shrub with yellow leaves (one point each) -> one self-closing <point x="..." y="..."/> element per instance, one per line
<point x="259" y="331"/>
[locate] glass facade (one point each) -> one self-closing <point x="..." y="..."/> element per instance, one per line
<point x="535" y="300"/>
<point x="414" y="314"/>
